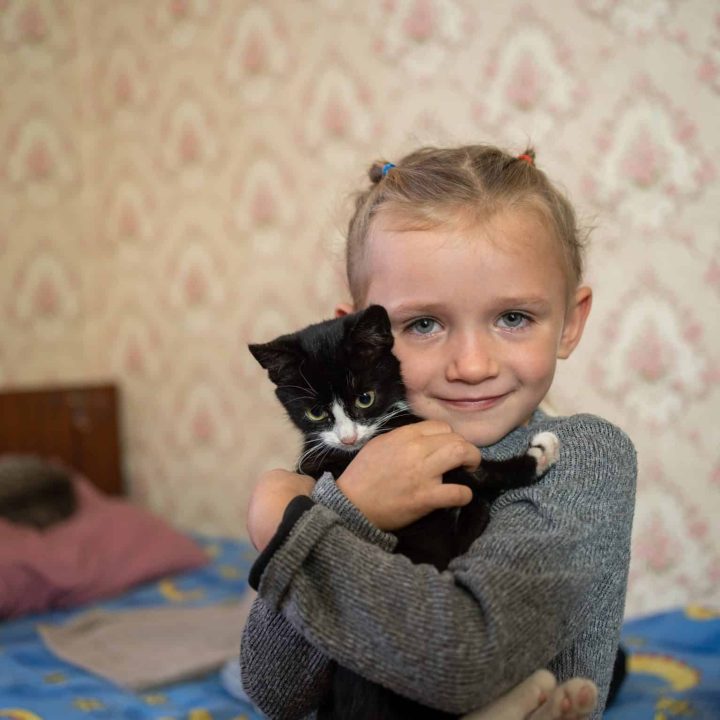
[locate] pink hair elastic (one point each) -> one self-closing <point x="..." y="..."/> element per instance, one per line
<point x="526" y="158"/>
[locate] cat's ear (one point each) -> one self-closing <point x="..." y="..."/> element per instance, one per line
<point x="372" y="333"/>
<point x="277" y="357"/>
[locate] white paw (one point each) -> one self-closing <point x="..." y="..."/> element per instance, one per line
<point x="545" y="448"/>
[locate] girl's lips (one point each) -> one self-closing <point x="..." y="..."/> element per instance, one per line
<point x="470" y="404"/>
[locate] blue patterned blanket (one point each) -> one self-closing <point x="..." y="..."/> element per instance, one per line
<point x="674" y="660"/>
<point x="37" y="685"/>
<point x="674" y="667"/>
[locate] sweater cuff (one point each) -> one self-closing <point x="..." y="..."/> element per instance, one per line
<point x="293" y="512"/>
<point x="309" y="529"/>
<point x="327" y="493"/>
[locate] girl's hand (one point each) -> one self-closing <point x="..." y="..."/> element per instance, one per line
<point x="397" y="477"/>
<point x="271" y="495"/>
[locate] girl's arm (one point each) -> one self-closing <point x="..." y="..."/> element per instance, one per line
<point x="394" y="480"/>
<point x="283" y="673"/>
<point x="552" y="562"/>
<point x="271" y="496"/>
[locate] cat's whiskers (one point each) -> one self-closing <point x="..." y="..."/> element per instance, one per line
<point x="312" y="448"/>
<point x="312" y="397"/>
<point x="308" y="384"/>
<point x="308" y="387"/>
<point x="326" y="450"/>
<point x="318" y="445"/>
<point x="399" y="408"/>
<point x="301" y="398"/>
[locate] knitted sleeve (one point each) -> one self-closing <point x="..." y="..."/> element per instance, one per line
<point x="283" y="674"/>
<point x="531" y="592"/>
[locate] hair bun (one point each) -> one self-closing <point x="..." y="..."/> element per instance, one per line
<point x="375" y="173"/>
<point x="528" y="156"/>
<point x="385" y="168"/>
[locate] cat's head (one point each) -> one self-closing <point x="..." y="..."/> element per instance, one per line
<point x="338" y="380"/>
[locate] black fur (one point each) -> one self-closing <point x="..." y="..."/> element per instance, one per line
<point x="340" y="360"/>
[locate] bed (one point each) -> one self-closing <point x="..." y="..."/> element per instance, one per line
<point x="78" y="427"/>
<point x="674" y="657"/>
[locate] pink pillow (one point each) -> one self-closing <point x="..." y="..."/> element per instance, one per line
<point x="107" y="546"/>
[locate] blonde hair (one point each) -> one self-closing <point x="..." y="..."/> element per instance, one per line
<point x="433" y="186"/>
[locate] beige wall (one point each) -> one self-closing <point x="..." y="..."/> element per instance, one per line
<point x="174" y="180"/>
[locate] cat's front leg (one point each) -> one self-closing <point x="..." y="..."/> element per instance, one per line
<point x="497" y="476"/>
<point x="545" y="448"/>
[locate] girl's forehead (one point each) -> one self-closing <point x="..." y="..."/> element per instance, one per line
<point x="516" y="251"/>
<point x="509" y="236"/>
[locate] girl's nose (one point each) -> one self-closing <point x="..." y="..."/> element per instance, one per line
<point x="471" y="361"/>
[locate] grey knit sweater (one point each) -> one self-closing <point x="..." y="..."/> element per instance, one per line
<point x="543" y="586"/>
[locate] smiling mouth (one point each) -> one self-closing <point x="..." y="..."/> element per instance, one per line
<point x="484" y="403"/>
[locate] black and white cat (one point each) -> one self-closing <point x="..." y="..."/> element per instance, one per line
<point x="341" y="385"/>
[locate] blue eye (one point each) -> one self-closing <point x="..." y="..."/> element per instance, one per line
<point x="423" y="326"/>
<point x="513" y="320"/>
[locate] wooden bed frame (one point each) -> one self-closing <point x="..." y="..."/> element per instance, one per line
<point x="78" y="425"/>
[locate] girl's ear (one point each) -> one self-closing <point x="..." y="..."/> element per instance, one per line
<point x="575" y="319"/>
<point x="343" y="309"/>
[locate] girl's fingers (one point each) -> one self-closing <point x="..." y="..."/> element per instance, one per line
<point x="452" y="453"/>
<point x="431" y="427"/>
<point x="447" y="496"/>
<point x="397" y="477"/>
<point x="473" y="458"/>
<point x="430" y="444"/>
<point x="434" y="436"/>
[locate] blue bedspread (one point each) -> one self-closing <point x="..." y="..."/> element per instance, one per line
<point x="674" y="667"/>
<point x="37" y="685"/>
<point x="674" y="661"/>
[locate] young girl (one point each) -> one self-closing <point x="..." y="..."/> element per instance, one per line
<point x="476" y="257"/>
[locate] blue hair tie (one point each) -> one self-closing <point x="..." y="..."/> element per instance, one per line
<point x="386" y="168"/>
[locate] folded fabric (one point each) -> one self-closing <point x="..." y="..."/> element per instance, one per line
<point x="141" y="649"/>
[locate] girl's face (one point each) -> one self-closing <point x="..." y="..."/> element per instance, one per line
<point x="479" y="316"/>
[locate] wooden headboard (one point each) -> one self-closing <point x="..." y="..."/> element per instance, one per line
<point x="78" y="425"/>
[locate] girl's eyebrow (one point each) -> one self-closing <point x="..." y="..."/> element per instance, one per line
<point x="534" y="301"/>
<point x="415" y="308"/>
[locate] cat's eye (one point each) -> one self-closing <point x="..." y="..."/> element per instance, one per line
<point x="316" y="414"/>
<point x="365" y="400"/>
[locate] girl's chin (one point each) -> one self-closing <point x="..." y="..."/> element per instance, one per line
<point x="482" y="436"/>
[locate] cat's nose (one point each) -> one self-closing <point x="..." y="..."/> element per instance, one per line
<point x="349" y="439"/>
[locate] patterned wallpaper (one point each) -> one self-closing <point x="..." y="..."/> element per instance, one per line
<point x="174" y="181"/>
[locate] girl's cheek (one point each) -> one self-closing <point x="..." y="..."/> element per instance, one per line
<point x="541" y="368"/>
<point x="410" y="377"/>
<point x="413" y="369"/>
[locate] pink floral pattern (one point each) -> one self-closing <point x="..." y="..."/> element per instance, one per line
<point x="638" y="20"/>
<point x="176" y="181"/>
<point x="648" y="159"/>
<point x="658" y="362"/>
<point x="529" y="81"/>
